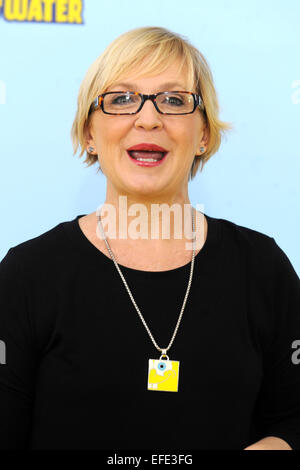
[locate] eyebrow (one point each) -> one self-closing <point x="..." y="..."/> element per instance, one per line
<point x="164" y="87"/>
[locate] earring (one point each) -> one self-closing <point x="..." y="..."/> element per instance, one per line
<point x="202" y="149"/>
<point x="91" y="149"/>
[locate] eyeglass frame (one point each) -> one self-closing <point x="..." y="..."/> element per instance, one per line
<point x="98" y="102"/>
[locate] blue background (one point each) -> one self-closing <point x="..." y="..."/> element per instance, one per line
<point x="253" y="48"/>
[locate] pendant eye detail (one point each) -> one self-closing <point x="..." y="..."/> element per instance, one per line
<point x="162" y="366"/>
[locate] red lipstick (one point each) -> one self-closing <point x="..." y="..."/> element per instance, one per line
<point x="148" y="147"/>
<point x="146" y="154"/>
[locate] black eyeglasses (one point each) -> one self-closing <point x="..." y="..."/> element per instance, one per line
<point x="131" y="102"/>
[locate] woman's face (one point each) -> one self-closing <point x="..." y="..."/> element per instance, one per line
<point x="181" y="135"/>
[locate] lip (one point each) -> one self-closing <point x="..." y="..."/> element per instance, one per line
<point x="148" y="146"/>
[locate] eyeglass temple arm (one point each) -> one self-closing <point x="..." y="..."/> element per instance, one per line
<point x="96" y="102"/>
<point x="200" y="102"/>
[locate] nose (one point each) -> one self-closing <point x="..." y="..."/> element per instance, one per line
<point x="148" y="117"/>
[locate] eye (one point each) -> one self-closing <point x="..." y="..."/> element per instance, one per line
<point x="174" y="100"/>
<point x="120" y="99"/>
<point x="161" y="366"/>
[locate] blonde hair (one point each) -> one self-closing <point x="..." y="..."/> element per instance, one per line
<point x="158" y="48"/>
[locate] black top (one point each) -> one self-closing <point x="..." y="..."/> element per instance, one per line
<point x="76" y="365"/>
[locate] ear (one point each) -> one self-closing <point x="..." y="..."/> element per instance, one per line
<point x="89" y="141"/>
<point x="203" y="143"/>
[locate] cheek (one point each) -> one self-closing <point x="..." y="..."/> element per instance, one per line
<point x="186" y="141"/>
<point x="185" y="131"/>
<point x="111" y="132"/>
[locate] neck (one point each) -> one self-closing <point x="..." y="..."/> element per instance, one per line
<point x="163" y="219"/>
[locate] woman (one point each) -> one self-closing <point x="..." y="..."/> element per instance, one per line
<point x="120" y="339"/>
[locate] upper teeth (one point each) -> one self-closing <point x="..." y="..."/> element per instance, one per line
<point x="147" y="159"/>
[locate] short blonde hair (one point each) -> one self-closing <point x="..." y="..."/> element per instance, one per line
<point x="157" y="48"/>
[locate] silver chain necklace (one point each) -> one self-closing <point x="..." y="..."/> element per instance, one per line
<point x="163" y="374"/>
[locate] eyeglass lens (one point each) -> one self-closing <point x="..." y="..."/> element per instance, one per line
<point x="129" y="102"/>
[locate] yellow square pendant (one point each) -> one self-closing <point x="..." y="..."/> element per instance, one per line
<point x="163" y="375"/>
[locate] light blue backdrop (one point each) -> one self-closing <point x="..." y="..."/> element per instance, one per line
<point x="253" y="48"/>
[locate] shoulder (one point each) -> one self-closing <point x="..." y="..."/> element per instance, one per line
<point x="259" y="250"/>
<point x="39" y="250"/>
<point x="245" y="237"/>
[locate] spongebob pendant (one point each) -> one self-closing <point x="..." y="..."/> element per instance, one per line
<point x="163" y="374"/>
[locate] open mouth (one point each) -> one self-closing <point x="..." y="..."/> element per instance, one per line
<point x="149" y="156"/>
